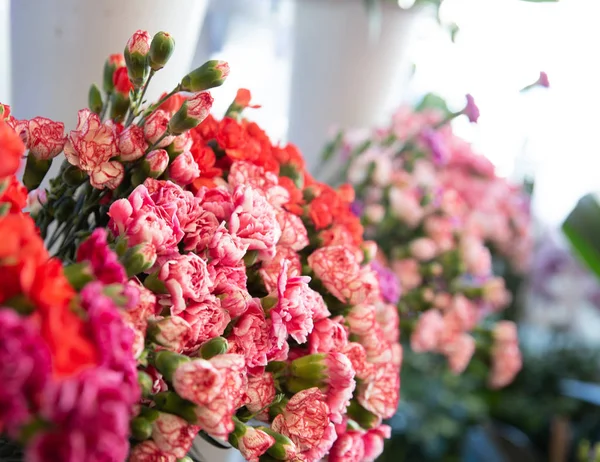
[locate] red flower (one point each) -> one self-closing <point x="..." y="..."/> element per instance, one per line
<point x="11" y="150"/>
<point x="121" y="81"/>
<point x="173" y="103"/>
<point x="243" y="97"/>
<point x="14" y="193"/>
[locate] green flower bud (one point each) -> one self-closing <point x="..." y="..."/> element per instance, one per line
<point x="73" y="176"/>
<point x="95" y="99"/>
<point x="213" y="347"/>
<point x="211" y="74"/>
<point x="171" y="402"/>
<point x="35" y="171"/>
<point x="141" y="429"/>
<point x="139" y="258"/>
<point x="361" y="416"/>
<point x="192" y="112"/>
<point x="167" y="362"/>
<point x="110" y="66"/>
<point x="161" y="49"/>
<point x="136" y="57"/>
<point x="119" y="106"/>
<point x="145" y="382"/>
<point x="79" y="274"/>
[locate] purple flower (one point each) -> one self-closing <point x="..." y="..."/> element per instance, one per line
<point x="104" y="262"/>
<point x="543" y="80"/>
<point x="24" y="368"/>
<point x="112" y="336"/>
<point x="433" y="141"/>
<point x="471" y="110"/>
<point x="90" y="416"/>
<point x="357" y="208"/>
<point x="388" y="282"/>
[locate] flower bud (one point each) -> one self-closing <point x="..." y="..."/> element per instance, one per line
<point x="110" y="66"/>
<point x="119" y="106"/>
<point x="4" y="111"/>
<point x="95" y="99"/>
<point x="141" y="429"/>
<point x="73" y="176"/>
<point x="283" y="448"/>
<point x="251" y="442"/>
<point x="184" y="169"/>
<point x="35" y="171"/>
<point x="211" y="74"/>
<point x="132" y="143"/>
<point x="79" y="274"/>
<point x="471" y="110"/>
<point x="146" y="384"/>
<point x="136" y="57"/>
<point x="139" y="258"/>
<point x="192" y="112"/>
<point x="161" y="49"/>
<point x="155" y="129"/>
<point x="213" y="347"/>
<point x="309" y="367"/>
<point x="172" y="403"/>
<point x="167" y="362"/>
<point x="369" y="249"/>
<point x="240" y="102"/>
<point x="155" y="163"/>
<point x="121" y="81"/>
<point x="361" y="416"/>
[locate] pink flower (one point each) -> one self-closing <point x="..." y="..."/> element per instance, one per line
<point x="339" y="270"/>
<point x="102" y="259"/>
<point x="357" y="355"/>
<point x="132" y="144"/>
<point x="113" y="338"/>
<point x="198" y="106"/>
<point x="317" y="304"/>
<point x="381" y="392"/>
<point x="250" y="336"/>
<point x="293" y="308"/>
<point x="148" y="451"/>
<point x="139" y="42"/>
<point x="349" y="447"/>
<point x="25" y="370"/>
<point x="225" y="248"/>
<point x="173" y="435"/>
<point x="110" y="175"/>
<point x="340" y="378"/>
<point x="91" y="146"/>
<point x="174" y="333"/>
<point x="373" y="441"/>
<point x="495" y="293"/>
<point x="247" y="174"/>
<point x="156" y="126"/>
<point x="254" y="443"/>
<point x="218" y="201"/>
<point x="293" y="231"/>
<point x="476" y="256"/>
<point x="261" y="392"/>
<point x="186" y="278"/>
<point x="506" y="356"/>
<point x="45" y="138"/>
<point x="328" y="335"/>
<point x="408" y="272"/>
<point x="361" y="319"/>
<point x="216" y="417"/>
<point x="471" y="110"/>
<point x="207" y="319"/>
<point x="440" y="229"/>
<point x="423" y="249"/>
<point x="270" y="270"/>
<point x="184" y="169"/>
<point x="406" y="205"/>
<point x="198" y="381"/>
<point x="141" y="220"/>
<point x="543" y="80"/>
<point x="254" y="221"/>
<point x="156" y="162"/>
<point x="459" y="351"/>
<point x="136" y="317"/>
<point x="234" y="298"/>
<point x="305" y="421"/>
<point x="183" y="142"/>
<point x="86" y="411"/>
<point x="461" y="316"/>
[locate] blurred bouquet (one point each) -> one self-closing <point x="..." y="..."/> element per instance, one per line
<point x="436" y="209"/>
<point x="201" y="280"/>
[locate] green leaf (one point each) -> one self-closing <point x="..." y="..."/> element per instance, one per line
<point x="433" y="101"/>
<point x="582" y="229"/>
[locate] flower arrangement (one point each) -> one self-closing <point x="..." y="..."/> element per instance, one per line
<point x="436" y="209"/>
<point x="195" y="279"/>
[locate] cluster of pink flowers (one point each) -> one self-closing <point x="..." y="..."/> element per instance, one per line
<point x="219" y="282"/>
<point x="436" y="209"/>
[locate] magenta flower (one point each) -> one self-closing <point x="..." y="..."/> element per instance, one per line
<point x="389" y="285"/>
<point x="24" y="371"/>
<point x="103" y="261"/>
<point x="543" y="80"/>
<point x="471" y="110"/>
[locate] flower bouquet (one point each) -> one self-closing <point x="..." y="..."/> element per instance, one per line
<point x="183" y="275"/>
<point x="436" y="208"/>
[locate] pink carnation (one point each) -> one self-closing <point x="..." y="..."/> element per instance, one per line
<point x="254" y="443"/>
<point x="339" y="270"/>
<point x="132" y="144"/>
<point x="173" y="435"/>
<point x="174" y="333"/>
<point x="216" y="417"/>
<point x="91" y="146"/>
<point x="459" y="351"/>
<point x="218" y="201"/>
<point x="387" y="317"/>
<point x="423" y="248"/>
<point x="328" y="335"/>
<point x="247" y="174"/>
<point x="270" y="270"/>
<point x="340" y="378"/>
<point x="349" y="447"/>
<point x="427" y="332"/>
<point x="408" y="272"/>
<point x="25" y="370"/>
<point x="357" y="355"/>
<point x="183" y="142"/>
<point x="361" y="319"/>
<point x="253" y="220"/>
<point x="261" y="393"/>
<point x="226" y="248"/>
<point x="198" y="381"/>
<point x="139" y="42"/>
<point x="476" y="256"/>
<point x="186" y="278"/>
<point x="506" y="356"/>
<point x="250" y="336"/>
<point x="45" y="138"/>
<point x="136" y="317"/>
<point x="148" y="451"/>
<point x="102" y="259"/>
<point x="373" y="441"/>
<point x="381" y="392"/>
<point x="184" y="169"/>
<point x="141" y="220"/>
<point x="207" y="320"/>
<point x="293" y="231"/>
<point x="305" y="421"/>
<point x="156" y="126"/>
<point x="293" y="308"/>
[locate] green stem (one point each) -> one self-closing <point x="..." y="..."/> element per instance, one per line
<point x="105" y="108"/>
<point x="135" y="109"/>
